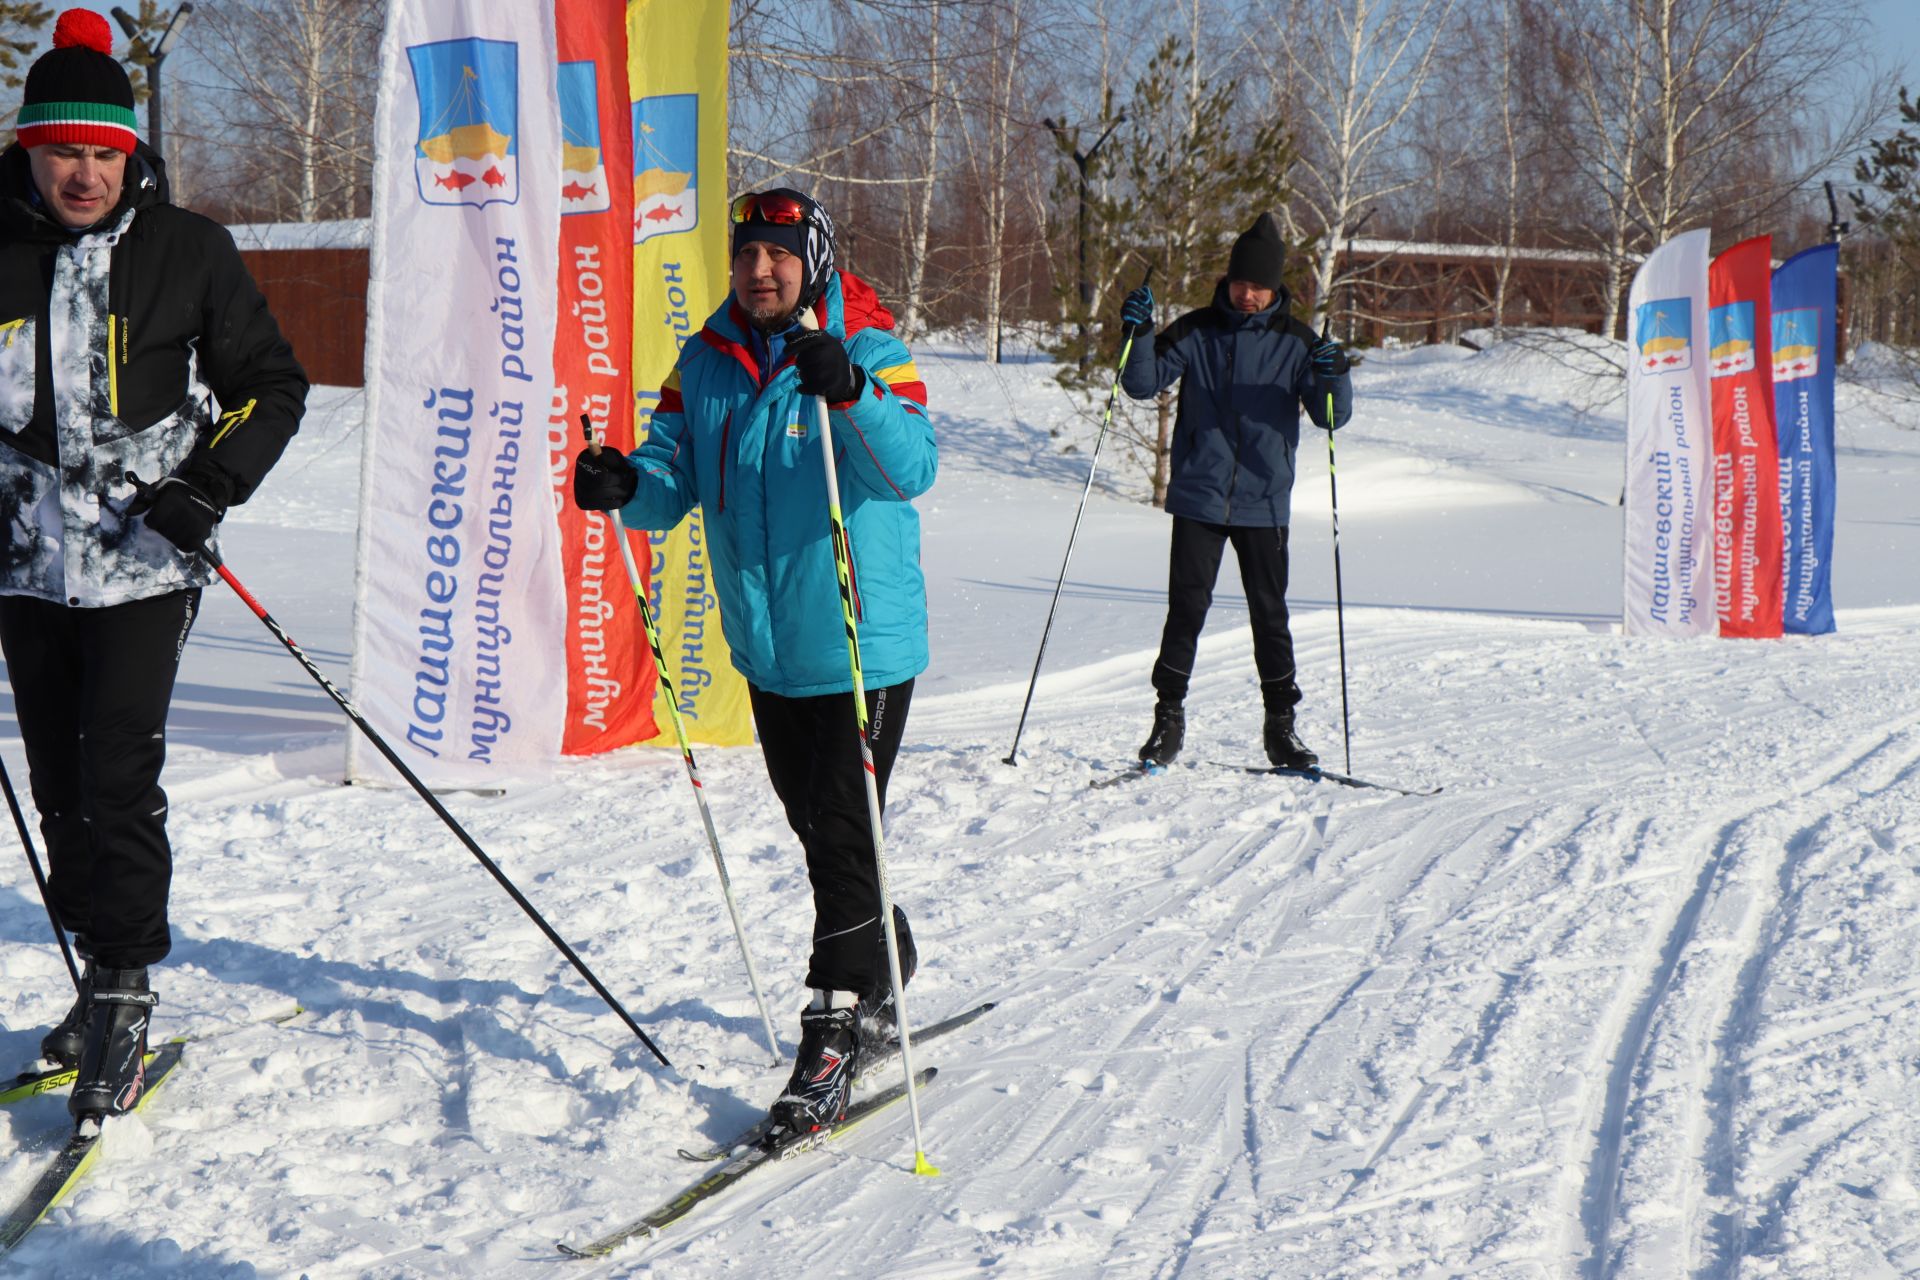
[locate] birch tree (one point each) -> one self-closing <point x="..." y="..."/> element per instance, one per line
<point x="992" y="136"/>
<point x="1350" y="71"/>
<point x="919" y="211"/>
<point x="1686" y="111"/>
<point x="296" y="79"/>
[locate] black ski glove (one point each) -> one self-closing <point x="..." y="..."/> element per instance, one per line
<point x="1329" y="358"/>
<point x="183" y="509"/>
<point x="603" y="481"/>
<point x="825" y="369"/>
<point x="1137" y="311"/>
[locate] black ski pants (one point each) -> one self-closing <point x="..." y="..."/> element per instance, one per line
<point x="812" y="747"/>
<point x="1192" y="568"/>
<point x="90" y="691"/>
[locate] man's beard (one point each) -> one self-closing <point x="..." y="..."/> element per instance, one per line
<point x="771" y="321"/>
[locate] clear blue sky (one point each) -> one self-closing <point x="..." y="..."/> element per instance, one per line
<point x="1897" y="36"/>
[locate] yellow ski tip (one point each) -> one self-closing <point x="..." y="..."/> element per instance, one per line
<point x="923" y="1166"/>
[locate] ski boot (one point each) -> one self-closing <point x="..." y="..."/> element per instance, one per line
<point x="62" y="1046"/>
<point x="1284" y="748"/>
<point x="113" y="1063"/>
<point x="879" y="1019"/>
<point x="817" y="1094"/>
<point x="1169" y="731"/>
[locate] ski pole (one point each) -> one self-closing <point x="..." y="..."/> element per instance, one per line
<point x="400" y="766"/>
<point x="39" y="875"/>
<point x="843" y="570"/>
<point x="1339" y="598"/>
<point x="1126" y="349"/>
<point x="1333" y="492"/>
<point x="686" y="750"/>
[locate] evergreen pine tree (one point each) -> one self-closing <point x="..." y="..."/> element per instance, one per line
<point x="1199" y="177"/>
<point x="1891" y="169"/>
<point x="20" y="27"/>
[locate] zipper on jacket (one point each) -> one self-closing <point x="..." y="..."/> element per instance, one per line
<point x="113" y="362"/>
<point x="726" y="433"/>
<point x="1239" y="427"/>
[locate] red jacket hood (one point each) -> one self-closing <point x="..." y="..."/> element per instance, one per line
<point x="860" y="306"/>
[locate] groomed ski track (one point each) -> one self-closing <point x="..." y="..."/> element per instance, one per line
<point x="1633" y="997"/>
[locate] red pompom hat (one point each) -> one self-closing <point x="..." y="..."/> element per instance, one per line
<point x="77" y="92"/>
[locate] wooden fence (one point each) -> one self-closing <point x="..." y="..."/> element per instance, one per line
<point x="314" y="276"/>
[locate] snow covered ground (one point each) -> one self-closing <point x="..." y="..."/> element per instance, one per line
<point x="1634" y="996"/>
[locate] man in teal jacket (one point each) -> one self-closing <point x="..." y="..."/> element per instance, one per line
<point x="736" y="431"/>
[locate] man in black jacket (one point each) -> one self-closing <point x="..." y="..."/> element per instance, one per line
<point x="1245" y="366"/>
<point x="122" y="320"/>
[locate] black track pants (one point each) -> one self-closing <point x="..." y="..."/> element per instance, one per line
<point x="812" y="747"/>
<point x="90" y="690"/>
<point x="1192" y="568"/>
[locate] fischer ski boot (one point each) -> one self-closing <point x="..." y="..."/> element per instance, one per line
<point x="1284" y="748"/>
<point x="879" y="1019"/>
<point x="62" y="1045"/>
<point x="113" y="1064"/>
<point x="1169" y="732"/>
<point x="816" y="1096"/>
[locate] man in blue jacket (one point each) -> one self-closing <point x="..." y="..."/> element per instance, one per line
<point x="736" y="431"/>
<point x="1245" y="365"/>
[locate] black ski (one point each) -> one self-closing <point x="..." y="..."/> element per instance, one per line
<point x="31" y="1084"/>
<point x="71" y="1162"/>
<point x="755" y="1157"/>
<point x="757" y="1132"/>
<point x="1328" y="775"/>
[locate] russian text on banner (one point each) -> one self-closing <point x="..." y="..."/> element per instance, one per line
<point x="610" y="675"/>
<point x="459" y="605"/>
<point x="677" y="75"/>
<point x="1669" y="495"/>
<point x="1746" y="460"/>
<point x="1805" y="295"/>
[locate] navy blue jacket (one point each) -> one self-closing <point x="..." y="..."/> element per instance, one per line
<point x="1242" y="381"/>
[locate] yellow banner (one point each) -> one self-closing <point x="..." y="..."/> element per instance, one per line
<point x="677" y="77"/>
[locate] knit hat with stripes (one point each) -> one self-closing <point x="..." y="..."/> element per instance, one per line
<point x="77" y="92"/>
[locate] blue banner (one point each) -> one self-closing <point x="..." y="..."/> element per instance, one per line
<point x="1805" y="292"/>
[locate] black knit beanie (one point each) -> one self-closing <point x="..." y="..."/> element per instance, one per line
<point x="77" y="92"/>
<point x="1260" y="255"/>
<point x="810" y="240"/>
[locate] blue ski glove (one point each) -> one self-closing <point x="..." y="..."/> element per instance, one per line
<point x="603" y="481"/>
<point x="1137" y="311"/>
<point x="1329" y="358"/>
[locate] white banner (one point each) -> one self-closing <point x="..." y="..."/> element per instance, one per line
<point x="460" y="598"/>
<point x="1669" y="497"/>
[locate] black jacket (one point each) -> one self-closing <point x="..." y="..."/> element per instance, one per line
<point x="117" y="341"/>
<point x="1242" y="381"/>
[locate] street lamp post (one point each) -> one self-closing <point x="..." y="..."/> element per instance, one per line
<point x="161" y="49"/>
<point x="1083" y="160"/>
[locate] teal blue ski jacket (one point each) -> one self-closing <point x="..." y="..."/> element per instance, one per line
<point x="748" y="451"/>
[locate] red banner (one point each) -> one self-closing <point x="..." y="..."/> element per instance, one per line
<point x="1746" y="453"/>
<point x="610" y="672"/>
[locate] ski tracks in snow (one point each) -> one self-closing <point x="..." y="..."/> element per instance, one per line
<point x="1664" y="1192"/>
